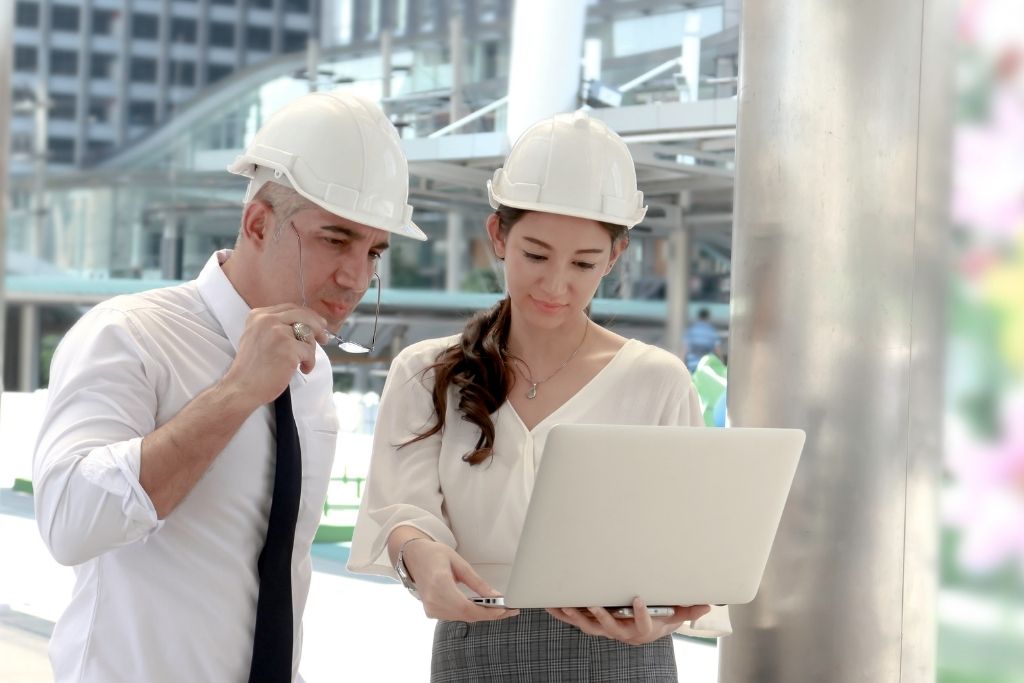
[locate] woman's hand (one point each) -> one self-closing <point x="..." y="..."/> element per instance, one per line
<point x="437" y="570"/>
<point x="639" y="630"/>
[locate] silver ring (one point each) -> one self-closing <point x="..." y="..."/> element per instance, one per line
<point x="302" y="331"/>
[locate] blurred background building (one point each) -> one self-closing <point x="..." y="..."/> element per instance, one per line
<point x="125" y="115"/>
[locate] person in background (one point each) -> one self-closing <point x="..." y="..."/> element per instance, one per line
<point x="463" y="421"/>
<point x="189" y="432"/>
<point x="701" y="338"/>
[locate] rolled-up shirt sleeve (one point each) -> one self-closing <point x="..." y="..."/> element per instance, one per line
<point x="403" y="486"/>
<point x="101" y="402"/>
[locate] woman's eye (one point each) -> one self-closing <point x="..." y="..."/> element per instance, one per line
<point x="533" y="257"/>
<point x="584" y="265"/>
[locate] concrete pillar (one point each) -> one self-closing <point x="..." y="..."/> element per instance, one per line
<point x="837" y="327"/>
<point x="6" y="104"/>
<point x="28" y="348"/>
<point x="677" y="284"/>
<point x="455" y="240"/>
<point x="457" y="43"/>
<point x="544" y="74"/>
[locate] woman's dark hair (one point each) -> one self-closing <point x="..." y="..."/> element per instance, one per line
<point x="480" y="366"/>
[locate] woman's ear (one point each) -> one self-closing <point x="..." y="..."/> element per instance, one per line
<point x="617" y="249"/>
<point x="494" y="232"/>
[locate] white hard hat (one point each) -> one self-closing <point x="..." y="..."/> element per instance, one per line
<point x="340" y="152"/>
<point x="574" y="165"/>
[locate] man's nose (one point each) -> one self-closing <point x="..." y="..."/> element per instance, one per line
<point x="355" y="273"/>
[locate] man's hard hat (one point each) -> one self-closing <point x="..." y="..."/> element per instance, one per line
<point x="340" y="152"/>
<point x="574" y="165"/>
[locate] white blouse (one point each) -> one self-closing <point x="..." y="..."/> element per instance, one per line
<point x="479" y="510"/>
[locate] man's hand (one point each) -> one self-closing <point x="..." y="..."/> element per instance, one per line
<point x="640" y="630"/>
<point x="268" y="353"/>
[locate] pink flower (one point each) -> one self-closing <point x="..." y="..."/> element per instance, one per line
<point x="986" y="500"/>
<point x="988" y="181"/>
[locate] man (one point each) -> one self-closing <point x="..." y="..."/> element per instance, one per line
<point x="184" y="457"/>
<point x="701" y="339"/>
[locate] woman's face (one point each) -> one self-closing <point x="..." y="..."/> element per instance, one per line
<point x="553" y="264"/>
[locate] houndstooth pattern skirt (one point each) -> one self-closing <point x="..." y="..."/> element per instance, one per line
<point x="535" y="646"/>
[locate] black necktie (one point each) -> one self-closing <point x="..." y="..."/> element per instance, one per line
<point x="272" y="642"/>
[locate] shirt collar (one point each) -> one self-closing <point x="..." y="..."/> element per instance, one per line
<point x="221" y="297"/>
<point x="229" y="308"/>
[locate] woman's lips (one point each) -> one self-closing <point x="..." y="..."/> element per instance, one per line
<point x="546" y="306"/>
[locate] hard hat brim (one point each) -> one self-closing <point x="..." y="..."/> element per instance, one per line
<point x="496" y="200"/>
<point x="246" y="166"/>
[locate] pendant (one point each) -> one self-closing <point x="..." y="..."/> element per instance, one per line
<point x="532" y="393"/>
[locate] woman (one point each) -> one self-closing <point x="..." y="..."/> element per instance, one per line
<point x="463" y="420"/>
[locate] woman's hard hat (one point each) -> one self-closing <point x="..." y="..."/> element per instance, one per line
<point x="340" y="152"/>
<point x="574" y="165"/>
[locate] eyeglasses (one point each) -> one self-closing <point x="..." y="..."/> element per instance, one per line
<point x="346" y="345"/>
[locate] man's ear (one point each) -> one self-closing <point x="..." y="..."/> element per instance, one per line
<point x="617" y="250"/>
<point x="494" y="232"/>
<point x="258" y="223"/>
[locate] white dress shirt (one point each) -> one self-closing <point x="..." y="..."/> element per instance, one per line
<point x="479" y="510"/>
<point x="174" y="599"/>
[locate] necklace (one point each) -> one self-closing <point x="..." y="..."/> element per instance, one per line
<point x="532" y="391"/>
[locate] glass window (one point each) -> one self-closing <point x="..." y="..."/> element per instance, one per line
<point x="487" y="11"/>
<point x="141" y="113"/>
<point x="26" y="14"/>
<point x="145" y="26"/>
<point x="21" y="143"/>
<point x="64" y="18"/>
<point x="64" y="62"/>
<point x="26" y="58"/>
<point x="101" y="65"/>
<point x="400" y="21"/>
<point x="296" y="6"/>
<point x="427" y="12"/>
<point x="294" y="41"/>
<point x="98" y="148"/>
<point x="215" y="72"/>
<point x="183" y="31"/>
<point x="62" y="107"/>
<point x="143" y="70"/>
<point x="258" y="38"/>
<point x="99" y="111"/>
<point x="61" y="150"/>
<point x="182" y="73"/>
<point x="262" y="4"/>
<point x="102" y="22"/>
<point x="222" y="35"/>
<point x="222" y="2"/>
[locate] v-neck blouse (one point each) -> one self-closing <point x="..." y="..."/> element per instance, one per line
<point x="479" y="510"/>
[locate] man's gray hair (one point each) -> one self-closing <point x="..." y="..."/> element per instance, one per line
<point x="284" y="201"/>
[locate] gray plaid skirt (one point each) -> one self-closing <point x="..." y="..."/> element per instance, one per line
<point x="534" y="646"/>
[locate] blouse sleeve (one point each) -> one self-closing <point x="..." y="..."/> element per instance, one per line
<point x="403" y="486"/>
<point x="684" y="411"/>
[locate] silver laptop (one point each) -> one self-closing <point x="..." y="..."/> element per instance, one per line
<point x="675" y="515"/>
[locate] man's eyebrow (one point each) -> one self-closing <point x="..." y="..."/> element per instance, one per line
<point x="351" y="234"/>
<point x="548" y="246"/>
